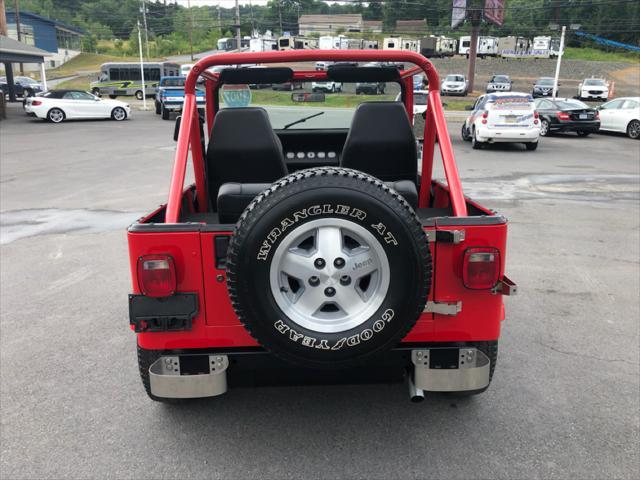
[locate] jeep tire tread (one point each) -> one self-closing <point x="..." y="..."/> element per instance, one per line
<point x="332" y="190"/>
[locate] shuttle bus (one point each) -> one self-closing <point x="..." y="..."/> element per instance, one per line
<point x="125" y="79"/>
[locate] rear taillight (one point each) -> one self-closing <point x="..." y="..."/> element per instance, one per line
<point x="481" y="268"/>
<point x="36" y="102"/>
<point x="536" y="116"/>
<point x="156" y="275"/>
<point x="485" y="115"/>
<point x="563" y="116"/>
<point x="597" y="115"/>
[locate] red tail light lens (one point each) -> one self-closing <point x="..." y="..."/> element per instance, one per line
<point x="536" y="116"/>
<point x="36" y="102"/>
<point x="597" y="115"/>
<point x="485" y="114"/>
<point x="156" y="275"/>
<point x="481" y="268"/>
<point x="563" y="116"/>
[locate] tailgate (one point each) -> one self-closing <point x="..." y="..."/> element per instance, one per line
<point x="462" y="314"/>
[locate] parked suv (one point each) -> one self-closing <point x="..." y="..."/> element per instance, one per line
<point x="370" y="88"/>
<point x="499" y="83"/>
<point x="328" y="87"/>
<point x="455" y="84"/>
<point x="543" y="87"/>
<point x="593" y="88"/>
<point x="503" y="117"/>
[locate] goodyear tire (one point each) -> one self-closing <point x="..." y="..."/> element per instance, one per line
<point x="327" y="267"/>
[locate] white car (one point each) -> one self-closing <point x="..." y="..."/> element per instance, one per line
<point x="328" y="86"/>
<point x="455" y="84"/>
<point x="59" y="105"/>
<point x="420" y="99"/>
<point x="503" y="117"/>
<point x="593" y="88"/>
<point x="185" y="69"/>
<point x="621" y="115"/>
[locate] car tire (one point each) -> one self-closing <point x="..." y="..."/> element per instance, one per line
<point x="465" y="133"/>
<point x="333" y="89"/>
<point x="146" y="358"/>
<point x="118" y="114"/>
<point x="56" y="115"/>
<point x="113" y="96"/>
<point x="95" y="91"/>
<point x="158" y="108"/>
<point x="582" y="133"/>
<point x="166" y="114"/>
<point x="139" y="95"/>
<point x="360" y="225"/>
<point x="531" y="146"/>
<point x="27" y="93"/>
<point x="633" y="129"/>
<point x="545" y="128"/>
<point x="490" y="349"/>
<point x="475" y="144"/>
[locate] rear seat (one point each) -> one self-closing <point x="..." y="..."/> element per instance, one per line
<point x="380" y="143"/>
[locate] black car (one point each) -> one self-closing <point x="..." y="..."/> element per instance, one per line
<point x="566" y="115"/>
<point x="24" y="86"/>
<point x="543" y="87"/>
<point x="370" y="88"/>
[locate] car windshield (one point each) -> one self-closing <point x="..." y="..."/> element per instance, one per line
<point x="545" y="81"/>
<point x="500" y="79"/>
<point x="287" y="102"/>
<point x="570" y="104"/>
<point x="454" y="78"/>
<point x="173" y="82"/>
<point x="594" y="82"/>
<point x="26" y="80"/>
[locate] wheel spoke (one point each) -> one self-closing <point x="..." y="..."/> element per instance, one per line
<point x="361" y="264"/>
<point x="310" y="301"/>
<point x="297" y="266"/>
<point x="329" y="243"/>
<point x="348" y="299"/>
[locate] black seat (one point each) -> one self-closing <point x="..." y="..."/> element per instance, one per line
<point x="381" y="142"/>
<point x="243" y="148"/>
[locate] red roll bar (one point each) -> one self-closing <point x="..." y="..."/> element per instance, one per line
<point x="435" y="124"/>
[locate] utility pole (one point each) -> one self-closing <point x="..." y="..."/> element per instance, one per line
<point x="144" y="87"/>
<point x="280" y="15"/>
<point x="560" y="53"/>
<point x="476" y="19"/>
<point x="238" y="34"/>
<point x="17" y="15"/>
<point x="3" y="20"/>
<point x="144" y="20"/>
<point x="220" y="19"/>
<point x="190" y="28"/>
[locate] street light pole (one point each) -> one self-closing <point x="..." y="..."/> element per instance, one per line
<point x="558" y="62"/>
<point x="238" y="34"/>
<point x="144" y="20"/>
<point x="190" y="28"/>
<point x="144" y="87"/>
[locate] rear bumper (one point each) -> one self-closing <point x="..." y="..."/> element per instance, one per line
<point x="508" y="135"/>
<point x="432" y="368"/>
<point x="599" y="95"/>
<point x="576" y="126"/>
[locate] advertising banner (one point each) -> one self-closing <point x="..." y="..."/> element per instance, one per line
<point x="458" y="12"/>
<point x="494" y="11"/>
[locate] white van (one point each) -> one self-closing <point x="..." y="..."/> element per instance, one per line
<point x="503" y="117"/>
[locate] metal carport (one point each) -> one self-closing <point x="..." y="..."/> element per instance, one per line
<point x="12" y="51"/>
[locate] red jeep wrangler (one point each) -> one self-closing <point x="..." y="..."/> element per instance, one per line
<point x="315" y="255"/>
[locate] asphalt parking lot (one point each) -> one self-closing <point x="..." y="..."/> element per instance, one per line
<point x="565" y="398"/>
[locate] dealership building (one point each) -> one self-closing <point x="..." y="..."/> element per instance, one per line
<point x="61" y="40"/>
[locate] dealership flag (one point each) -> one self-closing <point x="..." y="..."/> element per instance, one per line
<point x="458" y="12"/>
<point x="494" y="11"/>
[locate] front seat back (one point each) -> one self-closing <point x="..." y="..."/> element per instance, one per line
<point x="243" y="148"/>
<point x="381" y="142"/>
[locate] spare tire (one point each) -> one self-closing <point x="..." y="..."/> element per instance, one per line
<point x="327" y="267"/>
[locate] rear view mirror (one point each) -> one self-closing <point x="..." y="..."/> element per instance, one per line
<point x="468" y="107"/>
<point x="176" y="129"/>
<point x="305" y="97"/>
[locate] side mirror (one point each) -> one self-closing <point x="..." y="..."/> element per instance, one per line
<point x="468" y="107"/>
<point x="176" y="129"/>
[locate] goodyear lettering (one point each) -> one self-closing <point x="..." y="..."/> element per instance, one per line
<point x="324" y="344"/>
